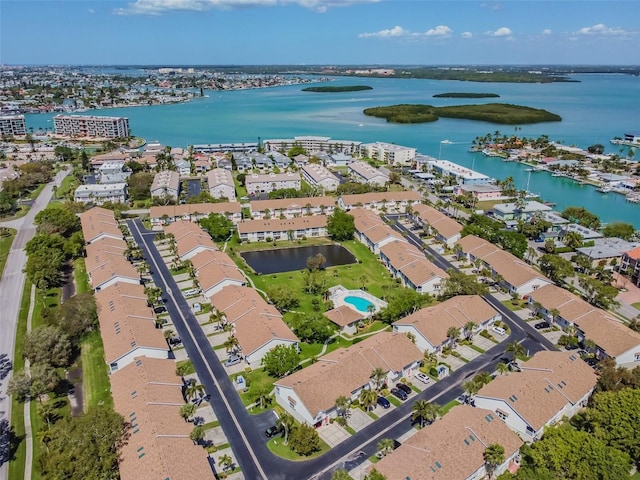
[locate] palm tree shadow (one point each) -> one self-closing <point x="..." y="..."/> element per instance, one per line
<point x="9" y="442"/>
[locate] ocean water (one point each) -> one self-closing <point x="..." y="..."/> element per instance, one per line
<point x="593" y="110"/>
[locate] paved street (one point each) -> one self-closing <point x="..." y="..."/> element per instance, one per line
<point x="12" y="284"/>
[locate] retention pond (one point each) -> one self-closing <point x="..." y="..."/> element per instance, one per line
<point x="288" y="259"/>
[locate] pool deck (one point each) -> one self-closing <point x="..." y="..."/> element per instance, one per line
<point x="339" y="293"/>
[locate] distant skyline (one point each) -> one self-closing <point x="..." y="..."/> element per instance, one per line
<point x="327" y="32"/>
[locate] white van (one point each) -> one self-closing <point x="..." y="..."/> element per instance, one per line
<point x="191" y="292"/>
<point x="499" y="330"/>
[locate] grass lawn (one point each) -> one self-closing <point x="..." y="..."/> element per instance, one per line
<point x="5" y="247"/>
<point x="445" y="408"/>
<point x="66" y="188"/>
<point x="95" y="377"/>
<point x="190" y="368"/>
<point x="636" y="305"/>
<point x="81" y="276"/>
<point x="258" y="376"/>
<point x="509" y="304"/>
<point x="277" y="447"/>
<point x="393" y="400"/>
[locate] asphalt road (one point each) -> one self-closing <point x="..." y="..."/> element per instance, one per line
<point x="11" y="286"/>
<point x="245" y="432"/>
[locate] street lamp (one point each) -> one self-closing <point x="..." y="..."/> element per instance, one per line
<point x="443" y="142"/>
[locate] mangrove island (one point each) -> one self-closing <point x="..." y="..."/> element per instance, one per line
<point x="333" y="89"/>
<point x="502" y="113"/>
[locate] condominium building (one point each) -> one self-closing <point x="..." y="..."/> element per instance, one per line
<point x="12" y="125"/>
<point x="317" y="175"/>
<point x="389" y="153"/>
<point x="100" y="193"/>
<point x="362" y="172"/>
<point x="272" y="181"/>
<point x="166" y="184"/>
<point x="313" y="144"/>
<point x="91" y="126"/>
<point x="221" y="184"/>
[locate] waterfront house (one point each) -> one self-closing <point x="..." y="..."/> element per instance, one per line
<point x="445" y="229"/>
<point x="506" y="212"/>
<point x="452" y="448"/>
<point x="310" y="394"/>
<point x="164" y="215"/>
<point x="408" y="263"/>
<point x="391" y="202"/>
<point x="320" y="177"/>
<point x="257" y="184"/>
<point x="98" y="194"/>
<point x="148" y="394"/>
<point x="202" y="164"/>
<point x="607" y="251"/>
<point x="282" y="229"/>
<point x="513" y="274"/>
<point x="257" y="325"/>
<point x="292" y="207"/>
<point x="389" y="153"/>
<point x="612" y="338"/>
<point x="549" y="387"/>
<point x="430" y="325"/>
<point x="261" y="161"/>
<point x="300" y="160"/>
<point x="362" y="172"/>
<point x="166" y="185"/>
<point x="462" y="175"/>
<point x="630" y="265"/>
<point x="221" y="184"/>
<point x="372" y="231"/>
<point x="481" y="192"/>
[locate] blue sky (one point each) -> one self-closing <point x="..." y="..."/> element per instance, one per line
<point x="210" y="32"/>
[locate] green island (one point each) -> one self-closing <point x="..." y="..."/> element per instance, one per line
<point x="502" y="113"/>
<point x="342" y="88"/>
<point x="466" y="95"/>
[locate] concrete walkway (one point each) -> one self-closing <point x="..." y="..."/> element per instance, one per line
<point x="28" y="463"/>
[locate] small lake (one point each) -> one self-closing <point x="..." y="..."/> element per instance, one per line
<point x="288" y="259"/>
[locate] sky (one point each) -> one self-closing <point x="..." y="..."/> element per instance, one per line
<point x="325" y="32"/>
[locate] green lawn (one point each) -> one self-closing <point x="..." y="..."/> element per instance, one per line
<point x="258" y="376"/>
<point x="66" y="188"/>
<point x="636" y="305"/>
<point x="445" y="408"/>
<point x="95" y="376"/>
<point x="5" y="247"/>
<point x="277" y="447"/>
<point x="509" y="304"/>
<point x="81" y="276"/>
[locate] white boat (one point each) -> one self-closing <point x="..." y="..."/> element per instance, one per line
<point x="604" y="189"/>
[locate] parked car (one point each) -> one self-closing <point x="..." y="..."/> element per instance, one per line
<point x="383" y="402"/>
<point x="513" y="366"/>
<point x="396" y="392"/>
<point x="541" y="325"/>
<point x="159" y="309"/>
<point x="571" y="347"/>
<point x="423" y="377"/>
<point x="191" y="292"/>
<point x="232" y="360"/>
<point x="271" y="431"/>
<point x="499" y="330"/>
<point x="404" y="387"/>
<point x="591" y="361"/>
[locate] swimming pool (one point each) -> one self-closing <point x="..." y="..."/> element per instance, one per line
<point x="361" y="304"/>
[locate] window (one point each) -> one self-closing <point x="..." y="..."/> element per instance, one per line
<point x="502" y="414"/>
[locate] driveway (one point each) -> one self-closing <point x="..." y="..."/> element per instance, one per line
<point x="333" y="434"/>
<point x="359" y="419"/>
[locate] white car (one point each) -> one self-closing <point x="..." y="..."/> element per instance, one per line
<point x="499" y="330"/>
<point x="423" y="377"/>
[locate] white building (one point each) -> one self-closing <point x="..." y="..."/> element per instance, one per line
<point x="362" y="172"/>
<point x="389" y="153"/>
<point x="221" y="184"/>
<point x="12" y="125"/>
<point x="98" y="194"/>
<point x="257" y="184"/>
<point x="113" y="172"/>
<point x="166" y="184"/>
<point x="319" y="176"/>
<point x="90" y="126"/>
<point x="183" y="167"/>
<point x="313" y="144"/>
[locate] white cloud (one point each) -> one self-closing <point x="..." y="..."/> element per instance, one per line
<point x="602" y="29"/>
<point x="493" y="6"/>
<point x="396" y="31"/>
<point x="439" y="31"/>
<point x="546" y="31"/>
<point x="466" y="34"/>
<point x="91" y="10"/>
<point x="158" y="7"/>
<point x="501" y="32"/>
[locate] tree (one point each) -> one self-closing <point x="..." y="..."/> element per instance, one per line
<point x="281" y="360"/>
<point x="516" y="348"/>
<point x="493" y="457"/>
<point x="77" y="316"/>
<point x="286" y="422"/>
<point x="401" y="302"/>
<point x="57" y="220"/>
<point x="598" y="293"/>
<point x="218" y="226"/>
<point x="342" y="409"/>
<point x="19" y="385"/>
<point x="581" y="216"/>
<point x="379" y="376"/>
<point x="231" y="343"/>
<point x="225" y="461"/>
<point x="459" y="283"/>
<point x="48" y="345"/>
<point x="619" y="229"/>
<point x="44" y="379"/>
<point x="368" y="398"/>
<point x="471" y="387"/>
<point x="340" y="225"/>
<point x="573" y="239"/>
<point x="341" y="474"/>
<point x="197" y="434"/>
<point x="187" y="411"/>
<point x="311" y="328"/>
<point x="468" y="329"/>
<point x="139" y="185"/>
<point x="194" y="390"/>
<point x="259" y="393"/>
<point x="555" y="267"/>
<point x="453" y="333"/>
<point x="425" y="411"/>
<point x="304" y="440"/>
<point x="283" y="298"/>
<point x="44" y="269"/>
<point x="375" y="475"/>
<point x="316" y="262"/>
<point x="386" y="446"/>
<point x="502" y="368"/>
<point x="84" y="447"/>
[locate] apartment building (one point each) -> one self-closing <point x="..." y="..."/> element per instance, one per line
<point x="221" y="184"/>
<point x="166" y="184"/>
<point x="12" y="125"/>
<point x="389" y="153"/>
<point x="257" y="184"/>
<point x="90" y="126"/>
<point x="362" y="172"/>
<point x="98" y="194"/>
<point x="319" y="176"/>
<point x="313" y="144"/>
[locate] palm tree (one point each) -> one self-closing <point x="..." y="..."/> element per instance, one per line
<point x="231" y="343"/>
<point x="286" y="422"/>
<point x="378" y="375"/>
<point x="194" y="389"/>
<point x="429" y="358"/>
<point x="45" y="435"/>
<point x="187" y="411"/>
<point x="342" y="407"/>
<point x="573" y="239"/>
<point x="341" y="474"/>
<point x="197" y="434"/>
<point x="452" y="334"/>
<point x="425" y="411"/>
<point x="386" y="445"/>
<point x="502" y="368"/>
<point x="482" y="378"/>
<point x="515" y="348"/>
<point x="493" y="456"/>
<point x="468" y="329"/>
<point x="225" y="461"/>
<point x="368" y="398"/>
<point x="471" y="387"/>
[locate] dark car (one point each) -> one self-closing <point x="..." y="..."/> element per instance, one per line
<point x="571" y="347"/>
<point x="160" y="309"/>
<point x="404" y="387"/>
<point x="383" y="402"/>
<point x="271" y="431"/>
<point x="591" y="361"/>
<point x="396" y="392"/>
<point x="541" y="325"/>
